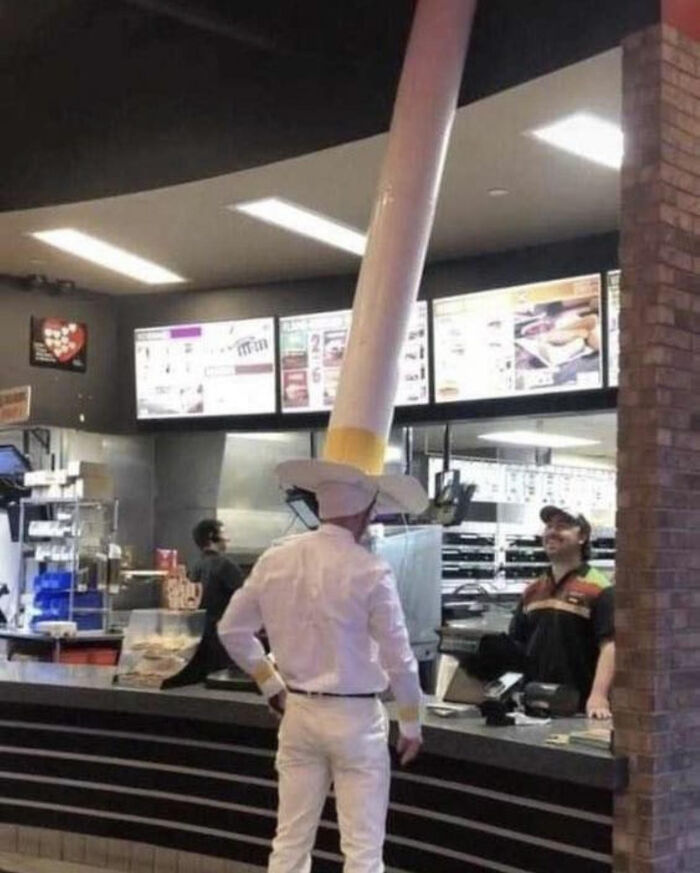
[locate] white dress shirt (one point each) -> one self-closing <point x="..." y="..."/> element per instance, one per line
<point x="333" y="618"/>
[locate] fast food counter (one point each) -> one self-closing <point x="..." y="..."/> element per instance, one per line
<point x="193" y="769"/>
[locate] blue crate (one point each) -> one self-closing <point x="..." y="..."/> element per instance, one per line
<point x="53" y="580"/>
<point x="88" y="599"/>
<point x="53" y="606"/>
<point x="87" y="621"/>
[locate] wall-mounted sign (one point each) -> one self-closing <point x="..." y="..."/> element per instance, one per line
<point x="530" y="339"/>
<point x="215" y="368"/>
<point x="58" y="343"/>
<point x="15" y="405"/>
<point x="613" y="279"/>
<point x="311" y="354"/>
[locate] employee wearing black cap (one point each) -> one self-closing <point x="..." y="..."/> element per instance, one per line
<point x="565" y="621"/>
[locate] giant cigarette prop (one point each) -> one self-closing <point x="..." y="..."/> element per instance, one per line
<point x="399" y="231"/>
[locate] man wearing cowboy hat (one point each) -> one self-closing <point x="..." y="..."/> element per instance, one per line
<point x="338" y="636"/>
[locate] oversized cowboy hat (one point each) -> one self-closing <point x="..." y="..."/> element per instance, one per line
<point x="345" y="489"/>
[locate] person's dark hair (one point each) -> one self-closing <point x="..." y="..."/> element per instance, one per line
<point x="586" y="550"/>
<point x="206" y="532"/>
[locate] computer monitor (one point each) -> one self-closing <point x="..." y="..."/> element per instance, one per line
<point x="12" y="461"/>
<point x="305" y="506"/>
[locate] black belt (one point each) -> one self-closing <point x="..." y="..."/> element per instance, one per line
<point x="328" y="693"/>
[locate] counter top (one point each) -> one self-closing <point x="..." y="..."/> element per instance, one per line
<point x="79" y="637"/>
<point x="465" y="739"/>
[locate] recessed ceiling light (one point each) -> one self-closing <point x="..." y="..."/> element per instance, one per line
<point x="588" y="136"/>
<point x="537" y="439"/>
<point x="498" y="192"/>
<point x="303" y="221"/>
<point x="80" y="244"/>
<point x="257" y="437"/>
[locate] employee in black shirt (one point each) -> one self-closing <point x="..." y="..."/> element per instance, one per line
<point x="219" y="578"/>
<point x="564" y="622"/>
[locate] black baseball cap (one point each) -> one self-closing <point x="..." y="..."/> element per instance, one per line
<point x="547" y="513"/>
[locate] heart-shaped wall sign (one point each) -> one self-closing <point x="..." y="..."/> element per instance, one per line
<point x="64" y="339"/>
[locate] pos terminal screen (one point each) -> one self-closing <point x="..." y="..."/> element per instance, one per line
<point x="12" y="461"/>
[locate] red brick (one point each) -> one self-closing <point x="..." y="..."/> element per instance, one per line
<point x="656" y="696"/>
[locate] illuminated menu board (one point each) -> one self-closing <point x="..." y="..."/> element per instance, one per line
<point x="215" y="368"/>
<point x="311" y="354"/>
<point x="529" y="339"/>
<point x="613" y="279"/>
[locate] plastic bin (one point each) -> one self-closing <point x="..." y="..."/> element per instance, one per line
<point x="74" y="656"/>
<point x="52" y="605"/>
<point x="103" y="657"/>
<point x="53" y="580"/>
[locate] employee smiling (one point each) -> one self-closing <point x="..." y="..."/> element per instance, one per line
<point x="565" y="619"/>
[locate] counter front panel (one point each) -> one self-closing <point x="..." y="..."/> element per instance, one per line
<point x="208" y="786"/>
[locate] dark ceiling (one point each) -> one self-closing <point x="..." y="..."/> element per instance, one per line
<point x="102" y="97"/>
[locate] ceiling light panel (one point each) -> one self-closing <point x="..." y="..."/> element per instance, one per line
<point x="297" y="219"/>
<point x="587" y="136"/>
<point x="537" y="439"/>
<point x="96" y="251"/>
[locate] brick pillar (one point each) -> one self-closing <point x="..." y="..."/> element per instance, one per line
<point x="657" y="687"/>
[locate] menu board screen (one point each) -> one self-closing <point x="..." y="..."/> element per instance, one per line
<point x="529" y="339"/>
<point x="613" y="327"/>
<point x="216" y="368"/>
<point x="311" y="354"/>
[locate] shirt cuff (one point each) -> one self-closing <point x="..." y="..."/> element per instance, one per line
<point x="409" y="722"/>
<point x="268" y="679"/>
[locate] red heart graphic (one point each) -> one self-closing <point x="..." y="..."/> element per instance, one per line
<point x="64" y="339"/>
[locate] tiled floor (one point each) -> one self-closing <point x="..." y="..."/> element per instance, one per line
<point x="10" y="863"/>
<point x="132" y="857"/>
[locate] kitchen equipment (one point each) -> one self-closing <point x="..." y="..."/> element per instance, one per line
<point x="57" y="628"/>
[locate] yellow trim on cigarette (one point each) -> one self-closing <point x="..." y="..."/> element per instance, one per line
<point x="263" y="672"/>
<point x="409" y="713"/>
<point x="356" y="446"/>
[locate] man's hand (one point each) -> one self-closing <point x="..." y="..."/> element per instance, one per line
<point x="277" y="703"/>
<point x="408" y="748"/>
<point x="598" y="706"/>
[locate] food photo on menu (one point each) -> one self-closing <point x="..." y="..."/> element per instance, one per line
<point x="334" y="347"/>
<point x="293" y="350"/>
<point x="330" y="385"/>
<point x="558" y="344"/>
<point x="295" y="389"/>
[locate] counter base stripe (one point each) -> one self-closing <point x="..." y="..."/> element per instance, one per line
<point x="246" y="847"/>
<point x="116" y="799"/>
<point x="555" y="808"/>
<point x="501" y="832"/>
<point x="142" y="792"/>
<point x="134" y="762"/>
<point x="140" y="737"/>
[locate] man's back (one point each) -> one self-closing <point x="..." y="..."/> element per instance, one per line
<point x="318" y="594"/>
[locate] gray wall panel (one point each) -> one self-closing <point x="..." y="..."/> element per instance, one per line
<point x="59" y="397"/>
<point x="187" y="470"/>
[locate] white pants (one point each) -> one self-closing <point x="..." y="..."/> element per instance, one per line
<point x="332" y="739"/>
